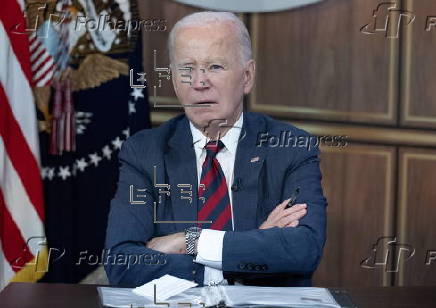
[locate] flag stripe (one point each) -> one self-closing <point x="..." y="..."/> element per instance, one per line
<point x="37" y="53"/>
<point x="41" y="72"/>
<point x="11" y="15"/>
<point x="46" y="80"/>
<point x="16" y="199"/>
<point x="21" y="157"/>
<point x="32" y="39"/>
<point x="21" y="4"/>
<point x="48" y="71"/>
<point x="17" y="254"/>
<point x="18" y="93"/>
<point x="40" y="62"/>
<point x="21" y="199"/>
<point x="35" y="44"/>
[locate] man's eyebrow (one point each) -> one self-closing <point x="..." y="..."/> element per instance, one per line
<point x="184" y="63"/>
<point x="221" y="60"/>
<point x="207" y="61"/>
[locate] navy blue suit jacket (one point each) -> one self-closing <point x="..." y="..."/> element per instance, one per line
<point x="264" y="177"/>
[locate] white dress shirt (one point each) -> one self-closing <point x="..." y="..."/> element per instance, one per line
<point x="210" y="243"/>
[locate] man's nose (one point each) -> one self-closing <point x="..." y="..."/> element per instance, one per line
<point x="200" y="79"/>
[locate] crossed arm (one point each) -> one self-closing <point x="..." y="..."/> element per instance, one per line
<point x="280" y="217"/>
<point x="289" y="240"/>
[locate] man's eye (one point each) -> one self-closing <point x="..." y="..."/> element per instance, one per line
<point x="215" y="67"/>
<point x="185" y="69"/>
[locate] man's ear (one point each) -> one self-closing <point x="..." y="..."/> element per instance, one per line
<point x="249" y="76"/>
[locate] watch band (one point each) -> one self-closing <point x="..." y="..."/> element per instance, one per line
<point x="192" y="235"/>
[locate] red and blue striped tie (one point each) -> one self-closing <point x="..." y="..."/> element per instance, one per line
<point x="213" y="191"/>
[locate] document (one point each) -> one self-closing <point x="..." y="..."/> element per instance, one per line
<point x="225" y="296"/>
<point x="245" y="296"/>
<point x="164" y="287"/>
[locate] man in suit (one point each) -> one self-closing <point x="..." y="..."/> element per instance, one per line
<point x="214" y="182"/>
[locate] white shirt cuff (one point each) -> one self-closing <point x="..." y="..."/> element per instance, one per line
<point x="210" y="248"/>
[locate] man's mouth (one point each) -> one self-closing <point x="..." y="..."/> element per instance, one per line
<point x="205" y="103"/>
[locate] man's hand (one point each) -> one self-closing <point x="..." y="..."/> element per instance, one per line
<point x="173" y="243"/>
<point x="282" y="217"/>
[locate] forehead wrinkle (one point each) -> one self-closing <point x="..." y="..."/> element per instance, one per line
<point x="224" y="42"/>
<point x="208" y="60"/>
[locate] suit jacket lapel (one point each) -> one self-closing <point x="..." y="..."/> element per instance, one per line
<point x="248" y="165"/>
<point x="181" y="169"/>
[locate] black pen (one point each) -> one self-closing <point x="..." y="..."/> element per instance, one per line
<point x="293" y="198"/>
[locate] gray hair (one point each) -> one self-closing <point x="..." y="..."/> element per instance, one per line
<point x="202" y="18"/>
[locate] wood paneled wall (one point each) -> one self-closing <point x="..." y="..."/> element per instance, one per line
<point x="416" y="219"/>
<point x="317" y="70"/>
<point x="320" y="70"/>
<point x="418" y="99"/>
<point x="359" y="185"/>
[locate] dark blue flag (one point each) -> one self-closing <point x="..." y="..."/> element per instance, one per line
<point x="80" y="184"/>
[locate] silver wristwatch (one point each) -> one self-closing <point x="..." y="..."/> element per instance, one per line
<point x="192" y="235"/>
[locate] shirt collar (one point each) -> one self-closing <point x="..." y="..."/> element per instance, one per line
<point x="230" y="139"/>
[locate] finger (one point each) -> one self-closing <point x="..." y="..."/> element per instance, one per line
<point x="293" y="217"/>
<point x="277" y="210"/>
<point x="298" y="215"/>
<point x="293" y="224"/>
<point x="151" y="244"/>
<point x="301" y="205"/>
<point x="294" y="209"/>
<point x="282" y="205"/>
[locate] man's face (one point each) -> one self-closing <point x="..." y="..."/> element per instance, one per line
<point x="219" y="79"/>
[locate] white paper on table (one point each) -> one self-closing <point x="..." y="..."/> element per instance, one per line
<point x="125" y="298"/>
<point x="166" y="286"/>
<point x="278" y="296"/>
<point x="234" y="296"/>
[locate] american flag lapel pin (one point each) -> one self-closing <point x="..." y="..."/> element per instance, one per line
<point x="254" y="159"/>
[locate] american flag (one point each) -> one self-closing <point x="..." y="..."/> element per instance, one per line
<point x="41" y="61"/>
<point x="21" y="198"/>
